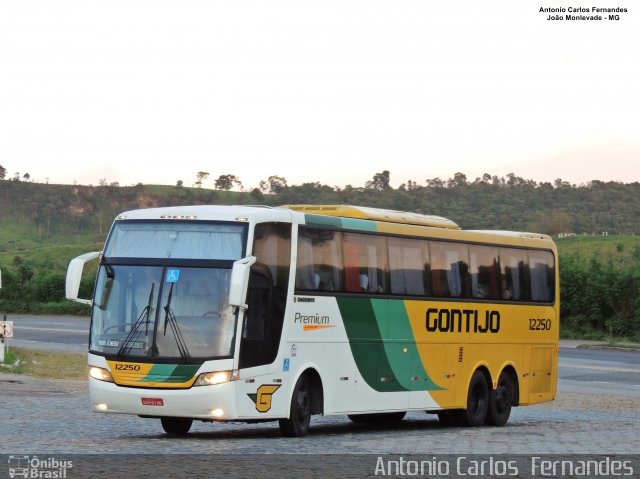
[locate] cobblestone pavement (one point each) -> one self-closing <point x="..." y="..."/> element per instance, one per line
<point x="54" y="417"/>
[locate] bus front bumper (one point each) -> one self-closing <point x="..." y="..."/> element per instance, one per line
<point x="216" y="402"/>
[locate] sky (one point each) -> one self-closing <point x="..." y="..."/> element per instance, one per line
<point x="154" y="91"/>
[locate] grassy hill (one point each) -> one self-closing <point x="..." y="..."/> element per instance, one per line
<point x="622" y="249"/>
<point x="42" y="227"/>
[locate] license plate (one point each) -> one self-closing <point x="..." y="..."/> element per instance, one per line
<point x="152" y="402"/>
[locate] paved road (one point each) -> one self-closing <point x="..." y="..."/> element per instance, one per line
<point x="593" y="371"/>
<point x="597" y="411"/>
<point x="54" y="333"/>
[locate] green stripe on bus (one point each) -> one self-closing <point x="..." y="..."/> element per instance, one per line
<point x="383" y="346"/>
<point x="400" y="346"/>
<point x="341" y="223"/>
<point x="171" y="373"/>
<point x="366" y="344"/>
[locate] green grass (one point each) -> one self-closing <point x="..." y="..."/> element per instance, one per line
<point x="618" y="248"/>
<point x="53" y="256"/>
<point x="623" y="343"/>
<point x="10" y="357"/>
<point x="46" y="364"/>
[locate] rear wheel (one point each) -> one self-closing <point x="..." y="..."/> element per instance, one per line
<point x="176" y="425"/>
<point x="500" y="401"/>
<point x="300" y="412"/>
<point x="477" y="402"/>
<point x="378" y="417"/>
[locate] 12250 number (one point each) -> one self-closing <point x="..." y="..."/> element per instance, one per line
<point x="539" y="324"/>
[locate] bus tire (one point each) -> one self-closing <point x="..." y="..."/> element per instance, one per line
<point x="475" y="413"/>
<point x="178" y="426"/>
<point x="378" y="417"/>
<point x="501" y="400"/>
<point x="297" y="425"/>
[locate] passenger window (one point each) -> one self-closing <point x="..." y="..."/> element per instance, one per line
<point x="409" y="266"/>
<point x="319" y="260"/>
<point x="514" y="281"/>
<point x="485" y="271"/>
<point x="542" y="279"/>
<point x="449" y="269"/>
<point x="365" y="263"/>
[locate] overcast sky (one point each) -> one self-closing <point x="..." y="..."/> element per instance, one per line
<point x="331" y="91"/>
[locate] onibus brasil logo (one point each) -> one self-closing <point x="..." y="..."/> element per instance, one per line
<point x="34" y="467"/>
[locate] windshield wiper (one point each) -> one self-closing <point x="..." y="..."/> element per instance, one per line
<point x="170" y="319"/>
<point x="128" y="342"/>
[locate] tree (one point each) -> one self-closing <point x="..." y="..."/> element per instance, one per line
<point x="26" y="177"/>
<point x="3" y="172"/>
<point x="380" y="181"/>
<point x="227" y="182"/>
<point x="274" y="184"/>
<point x="435" y="182"/>
<point x="179" y="184"/>
<point x="200" y="177"/>
<point x="459" y="179"/>
<point x="257" y="195"/>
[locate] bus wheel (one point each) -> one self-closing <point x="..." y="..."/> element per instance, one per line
<point x="378" y="417"/>
<point x="300" y="412"/>
<point x="176" y="425"/>
<point x="477" y="402"/>
<point x="500" y="401"/>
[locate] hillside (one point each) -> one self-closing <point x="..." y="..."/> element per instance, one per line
<point x="34" y="215"/>
<point x="42" y="227"/>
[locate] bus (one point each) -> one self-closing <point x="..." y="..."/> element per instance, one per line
<point x="253" y="313"/>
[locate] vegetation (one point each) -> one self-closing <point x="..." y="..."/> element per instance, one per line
<point x="44" y="226"/>
<point x="46" y="364"/>
<point x="600" y="287"/>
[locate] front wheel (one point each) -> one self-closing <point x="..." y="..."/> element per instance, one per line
<point x="500" y="401"/>
<point x="300" y="412"/>
<point x="178" y="426"/>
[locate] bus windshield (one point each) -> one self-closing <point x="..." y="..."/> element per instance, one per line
<point x="169" y="312"/>
<point x="163" y="288"/>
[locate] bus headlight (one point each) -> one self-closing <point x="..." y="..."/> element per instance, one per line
<point x="100" y="374"/>
<point x="218" y="377"/>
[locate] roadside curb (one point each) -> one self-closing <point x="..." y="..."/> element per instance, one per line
<point x="605" y="347"/>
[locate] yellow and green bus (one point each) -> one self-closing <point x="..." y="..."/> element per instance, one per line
<point x="240" y="313"/>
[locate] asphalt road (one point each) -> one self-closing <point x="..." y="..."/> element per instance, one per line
<point x="596" y="411"/>
<point x="595" y="371"/>
<point x="53" y="333"/>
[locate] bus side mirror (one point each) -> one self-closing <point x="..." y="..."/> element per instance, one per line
<point x="74" y="275"/>
<point x="240" y="281"/>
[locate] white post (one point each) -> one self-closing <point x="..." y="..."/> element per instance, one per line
<point x="2" y="337"/>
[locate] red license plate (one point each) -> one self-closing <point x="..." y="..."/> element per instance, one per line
<point x="152" y="402"/>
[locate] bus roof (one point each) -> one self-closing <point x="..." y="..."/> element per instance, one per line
<point x="209" y="213"/>
<point x="375" y="214"/>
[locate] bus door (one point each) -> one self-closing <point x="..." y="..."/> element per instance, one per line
<point x="262" y="385"/>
